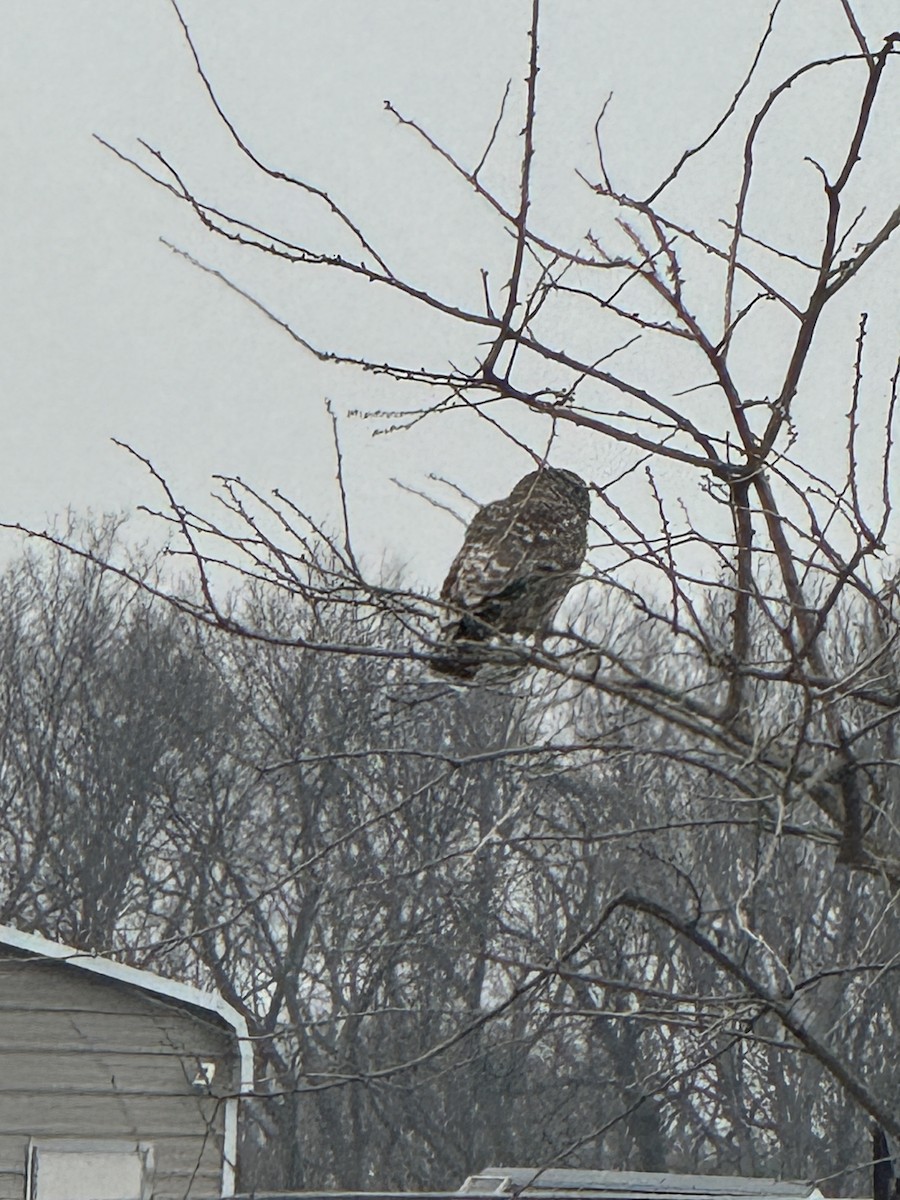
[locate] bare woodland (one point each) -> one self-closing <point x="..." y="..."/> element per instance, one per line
<point x="634" y="909"/>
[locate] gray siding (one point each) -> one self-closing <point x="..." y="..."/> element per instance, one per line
<point x="85" y="1057"/>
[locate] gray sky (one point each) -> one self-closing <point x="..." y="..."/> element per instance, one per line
<point x="106" y="333"/>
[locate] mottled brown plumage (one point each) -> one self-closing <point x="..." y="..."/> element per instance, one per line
<point x="520" y="557"/>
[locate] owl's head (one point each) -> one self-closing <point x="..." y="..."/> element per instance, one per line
<point x="557" y="485"/>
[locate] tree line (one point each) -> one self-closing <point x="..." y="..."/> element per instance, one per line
<point x="435" y="907"/>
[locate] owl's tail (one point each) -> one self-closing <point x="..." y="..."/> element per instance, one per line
<point x="461" y="659"/>
<point x="465" y="642"/>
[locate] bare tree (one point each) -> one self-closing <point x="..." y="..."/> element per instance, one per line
<point x="722" y="708"/>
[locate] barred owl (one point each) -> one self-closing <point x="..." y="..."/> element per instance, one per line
<point x="520" y="557"/>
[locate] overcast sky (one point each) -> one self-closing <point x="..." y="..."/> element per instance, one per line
<point x="106" y="333"/>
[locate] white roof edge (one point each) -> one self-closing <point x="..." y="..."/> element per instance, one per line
<point x="34" y="943"/>
<point x="158" y="985"/>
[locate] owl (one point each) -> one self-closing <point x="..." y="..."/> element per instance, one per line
<point x="519" y="558"/>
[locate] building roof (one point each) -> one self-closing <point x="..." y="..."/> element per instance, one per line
<point x="552" y="1184"/>
<point x="631" y="1185"/>
<point x="85" y="960"/>
<point x="208" y="1003"/>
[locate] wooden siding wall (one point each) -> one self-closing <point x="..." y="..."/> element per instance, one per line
<point x="84" y="1057"/>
